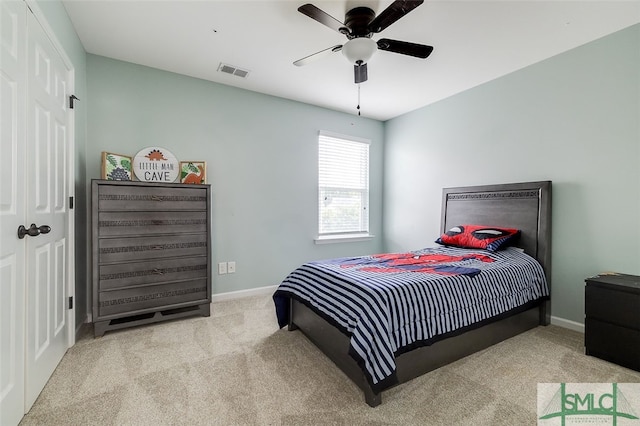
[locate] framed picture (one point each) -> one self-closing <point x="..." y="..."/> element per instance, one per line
<point x="192" y="172"/>
<point x="115" y="166"/>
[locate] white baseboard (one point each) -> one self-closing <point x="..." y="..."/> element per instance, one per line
<point x="565" y="323"/>
<point x="261" y="291"/>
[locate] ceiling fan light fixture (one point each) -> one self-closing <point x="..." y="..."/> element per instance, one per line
<point x="359" y="50"/>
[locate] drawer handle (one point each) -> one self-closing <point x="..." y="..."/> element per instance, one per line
<point x="157" y="222"/>
<point x="157" y="247"/>
<point x="157" y="198"/>
<point x="158" y="272"/>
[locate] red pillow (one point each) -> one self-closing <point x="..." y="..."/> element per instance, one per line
<point x="478" y="236"/>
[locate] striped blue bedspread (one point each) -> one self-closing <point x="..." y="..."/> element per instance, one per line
<point x="391" y="303"/>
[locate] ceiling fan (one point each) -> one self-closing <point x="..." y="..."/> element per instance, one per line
<point x="360" y="24"/>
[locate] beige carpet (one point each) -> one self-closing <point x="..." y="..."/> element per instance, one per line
<point x="237" y="368"/>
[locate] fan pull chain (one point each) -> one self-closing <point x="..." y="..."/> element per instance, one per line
<point x="358" y="107"/>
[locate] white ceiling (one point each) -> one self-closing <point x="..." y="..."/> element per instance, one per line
<point x="474" y="42"/>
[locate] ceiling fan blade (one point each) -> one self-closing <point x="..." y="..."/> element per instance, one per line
<point x="360" y="73"/>
<point x="391" y="14"/>
<point x="405" y="48"/>
<point x="317" y="55"/>
<point x="323" y="17"/>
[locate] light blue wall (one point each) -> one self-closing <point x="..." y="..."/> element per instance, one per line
<point x="573" y="119"/>
<point x="58" y="21"/>
<point x="261" y="154"/>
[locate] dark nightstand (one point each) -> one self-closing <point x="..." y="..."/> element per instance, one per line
<point x="612" y="319"/>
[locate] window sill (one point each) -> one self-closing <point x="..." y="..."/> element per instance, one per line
<point x="343" y="238"/>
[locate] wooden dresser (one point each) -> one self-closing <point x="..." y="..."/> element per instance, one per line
<point x="151" y="252"/>
<point x="612" y="323"/>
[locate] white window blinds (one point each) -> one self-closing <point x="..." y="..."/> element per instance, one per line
<point x="343" y="185"/>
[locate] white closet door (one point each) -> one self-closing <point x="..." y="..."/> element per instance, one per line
<point x="12" y="209"/>
<point x="36" y="326"/>
<point x="47" y="174"/>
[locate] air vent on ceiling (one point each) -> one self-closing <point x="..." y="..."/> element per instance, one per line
<point x="230" y="69"/>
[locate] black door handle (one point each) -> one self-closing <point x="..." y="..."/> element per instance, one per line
<point x="33" y="231"/>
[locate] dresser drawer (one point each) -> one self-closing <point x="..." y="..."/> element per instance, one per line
<point x="613" y="343"/>
<point x="152" y="297"/>
<point x="122" y="224"/>
<point x="113" y="276"/>
<point x="151" y="247"/>
<point x="615" y="306"/>
<point x="132" y="197"/>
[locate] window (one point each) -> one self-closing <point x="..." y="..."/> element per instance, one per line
<point x="343" y="187"/>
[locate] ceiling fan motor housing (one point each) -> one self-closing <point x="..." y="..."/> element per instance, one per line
<point x="357" y="20"/>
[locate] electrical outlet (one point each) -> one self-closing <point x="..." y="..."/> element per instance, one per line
<point x="231" y="267"/>
<point x="222" y="268"/>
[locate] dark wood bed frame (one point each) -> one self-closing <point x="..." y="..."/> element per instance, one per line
<point x="525" y="206"/>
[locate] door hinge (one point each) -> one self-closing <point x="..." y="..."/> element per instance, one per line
<point x="70" y="302"/>
<point x="71" y="99"/>
<point x="70" y="203"/>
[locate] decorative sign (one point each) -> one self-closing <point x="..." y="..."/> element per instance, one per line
<point x="192" y="171"/>
<point x="155" y="164"/>
<point x="115" y="166"/>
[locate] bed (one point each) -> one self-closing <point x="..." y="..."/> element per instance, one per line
<point x="373" y="353"/>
